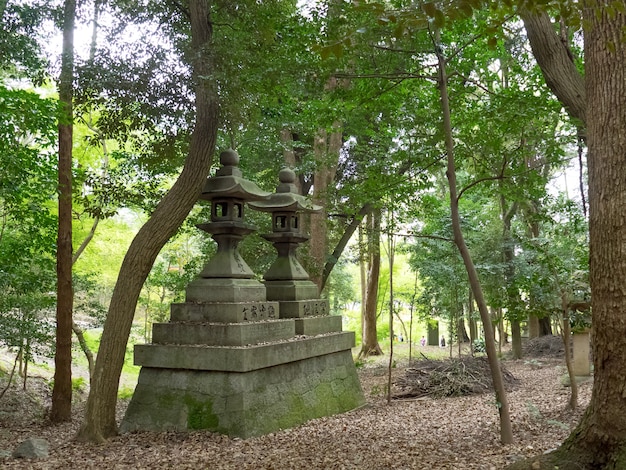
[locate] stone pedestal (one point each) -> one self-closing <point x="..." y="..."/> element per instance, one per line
<point x="240" y="357"/>
<point x="242" y="379"/>
<point x="580" y="361"/>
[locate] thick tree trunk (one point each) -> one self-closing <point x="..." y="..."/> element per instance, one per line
<point x="545" y="326"/>
<point x="603" y="430"/>
<point x="533" y="326"/>
<point x="169" y="214"/>
<point x="506" y="432"/>
<point x="327" y="155"/>
<point x="599" y="441"/>
<point x="369" y="345"/>
<point x="61" y="409"/>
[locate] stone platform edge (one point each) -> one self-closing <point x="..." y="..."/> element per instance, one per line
<point x="240" y="359"/>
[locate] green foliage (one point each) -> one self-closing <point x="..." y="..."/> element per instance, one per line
<point x="79" y="384"/>
<point x="28" y="226"/>
<point x="479" y="345"/>
<point x="125" y="393"/>
<point x="21" y="37"/>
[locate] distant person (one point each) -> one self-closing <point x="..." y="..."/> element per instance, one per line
<point x="442" y="342"/>
<point x="423" y="341"/>
<point x="401" y="338"/>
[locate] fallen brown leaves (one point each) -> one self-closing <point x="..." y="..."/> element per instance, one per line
<point x="446" y="433"/>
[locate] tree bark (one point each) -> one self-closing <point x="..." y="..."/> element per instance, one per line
<point x="61" y="409"/>
<point x="343" y="241"/>
<point x="599" y="441"/>
<point x="369" y="343"/>
<point x="509" y="273"/>
<point x="506" y="432"/>
<point x="100" y="421"/>
<point x="556" y="63"/>
<point x="327" y="149"/>
<point x="602" y="431"/>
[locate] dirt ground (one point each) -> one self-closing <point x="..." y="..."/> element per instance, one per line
<point x="424" y="433"/>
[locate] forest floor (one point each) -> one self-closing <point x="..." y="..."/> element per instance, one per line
<point x="419" y="433"/>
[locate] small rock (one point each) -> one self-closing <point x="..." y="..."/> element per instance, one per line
<point x="5" y="453"/>
<point x="536" y="465"/>
<point x="32" y="448"/>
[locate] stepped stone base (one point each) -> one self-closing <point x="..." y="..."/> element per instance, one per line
<point x="244" y="404"/>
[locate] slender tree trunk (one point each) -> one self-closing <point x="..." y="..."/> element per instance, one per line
<point x="80" y="336"/>
<point x="506" y="433"/>
<point x="391" y="247"/>
<point x="169" y="214"/>
<point x="61" y="409"/>
<point x="473" y="327"/>
<point x="566" y="336"/>
<point x="370" y="346"/>
<point x="509" y="273"/>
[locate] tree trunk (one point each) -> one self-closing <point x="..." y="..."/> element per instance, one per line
<point x="602" y="432"/>
<point x="599" y="441"/>
<point x="506" y="433"/>
<point x="61" y="409"/>
<point x="533" y="326"/>
<point x="327" y="155"/>
<point x="78" y="331"/>
<point x="566" y="336"/>
<point x="556" y="63"/>
<point x="545" y="326"/>
<point x="509" y="273"/>
<point x="473" y="327"/>
<point x="370" y="346"/>
<point x="169" y="214"/>
<point x="344" y="240"/>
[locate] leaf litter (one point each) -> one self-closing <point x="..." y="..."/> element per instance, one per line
<point x="454" y="432"/>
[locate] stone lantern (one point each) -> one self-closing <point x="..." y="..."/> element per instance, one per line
<point x="230" y="360"/>
<point x="286" y="280"/>
<point x="286" y="206"/>
<point x="228" y="193"/>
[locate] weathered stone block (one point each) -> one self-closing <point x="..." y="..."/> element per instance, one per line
<point x="222" y="334"/>
<point x="291" y="290"/>
<point x="311" y="326"/>
<point x="240" y="359"/>
<point x="224" y="312"/>
<point x="244" y="404"/>
<point x="225" y="290"/>
<point x="304" y="308"/>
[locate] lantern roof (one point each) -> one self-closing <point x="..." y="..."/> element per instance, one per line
<point x="228" y="182"/>
<point x="286" y="197"/>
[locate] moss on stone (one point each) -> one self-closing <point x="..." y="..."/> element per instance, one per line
<point x="200" y="413"/>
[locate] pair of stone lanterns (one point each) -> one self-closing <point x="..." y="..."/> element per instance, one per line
<point x="229" y="194"/>
<point x="244" y="357"/>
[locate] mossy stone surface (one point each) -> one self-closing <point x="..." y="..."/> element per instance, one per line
<point x="244" y="404"/>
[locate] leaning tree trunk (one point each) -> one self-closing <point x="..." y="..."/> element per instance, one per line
<point x="61" y="409"/>
<point x="169" y="214"/>
<point x="506" y="433"/>
<point x="556" y="63"/>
